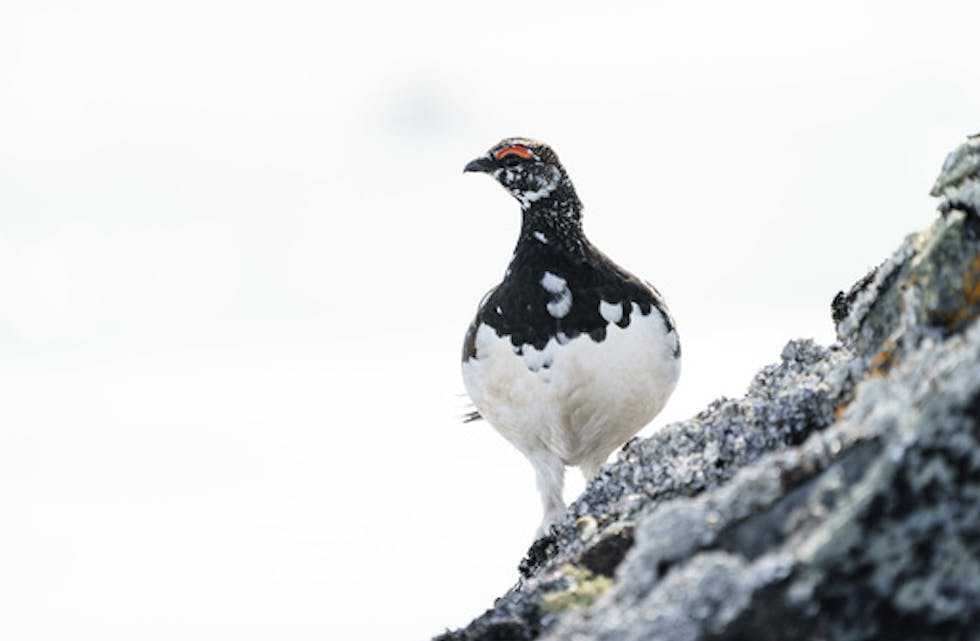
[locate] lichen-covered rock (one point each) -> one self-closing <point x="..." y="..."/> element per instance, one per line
<point x="838" y="499"/>
<point x="959" y="182"/>
<point x="868" y="530"/>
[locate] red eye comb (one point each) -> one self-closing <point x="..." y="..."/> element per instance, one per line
<point x="516" y="150"/>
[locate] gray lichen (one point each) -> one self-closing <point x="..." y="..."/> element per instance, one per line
<point x="961" y="168"/>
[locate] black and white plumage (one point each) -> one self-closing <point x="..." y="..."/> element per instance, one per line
<point x="570" y="355"/>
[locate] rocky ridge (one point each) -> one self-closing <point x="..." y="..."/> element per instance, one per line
<point x="838" y="499"/>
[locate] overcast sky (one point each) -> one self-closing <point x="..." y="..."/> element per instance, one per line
<point x="238" y="255"/>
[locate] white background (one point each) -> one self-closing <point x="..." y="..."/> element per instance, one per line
<point x="238" y="255"/>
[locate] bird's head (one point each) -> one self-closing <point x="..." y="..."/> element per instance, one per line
<point x="528" y="169"/>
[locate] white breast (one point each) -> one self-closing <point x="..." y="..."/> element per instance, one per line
<point x="576" y="397"/>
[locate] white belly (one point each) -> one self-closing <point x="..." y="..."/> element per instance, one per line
<point x="580" y="399"/>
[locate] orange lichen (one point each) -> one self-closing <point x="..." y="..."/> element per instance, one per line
<point x="882" y="361"/>
<point x="971" y="282"/>
<point x="971" y="292"/>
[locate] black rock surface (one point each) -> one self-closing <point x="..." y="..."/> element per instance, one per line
<point x="839" y="499"/>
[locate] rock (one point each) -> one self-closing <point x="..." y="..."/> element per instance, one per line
<point x="959" y="182"/>
<point x="838" y="499"/>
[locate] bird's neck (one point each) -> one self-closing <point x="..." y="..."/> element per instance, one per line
<point x="553" y="224"/>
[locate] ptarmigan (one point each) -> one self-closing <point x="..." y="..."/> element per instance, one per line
<point x="570" y="355"/>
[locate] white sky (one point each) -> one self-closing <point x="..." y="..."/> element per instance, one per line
<point x="237" y="257"/>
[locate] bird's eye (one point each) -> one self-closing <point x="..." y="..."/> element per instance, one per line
<point x="511" y="160"/>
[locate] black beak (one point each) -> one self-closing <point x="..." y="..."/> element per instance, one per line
<point x="483" y="164"/>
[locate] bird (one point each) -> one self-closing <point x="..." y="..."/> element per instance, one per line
<point x="570" y="355"/>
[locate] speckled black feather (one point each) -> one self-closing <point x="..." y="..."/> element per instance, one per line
<point x="517" y="308"/>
